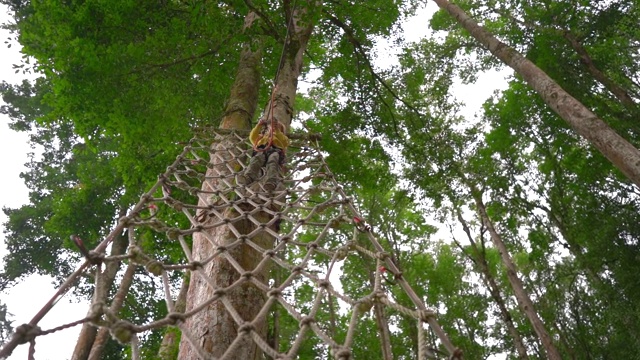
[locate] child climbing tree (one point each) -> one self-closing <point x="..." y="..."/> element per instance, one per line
<point x="217" y="335"/>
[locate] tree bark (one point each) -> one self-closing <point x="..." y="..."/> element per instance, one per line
<point x="383" y="331"/>
<point x="524" y="301"/>
<point x="378" y="310"/>
<point x="284" y="93"/>
<point x="214" y="329"/>
<point x="88" y="333"/>
<point x="614" y="147"/>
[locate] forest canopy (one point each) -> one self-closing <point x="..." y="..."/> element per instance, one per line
<point x="519" y="224"/>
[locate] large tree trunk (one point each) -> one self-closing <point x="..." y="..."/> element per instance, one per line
<point x="213" y="330"/>
<point x="88" y="333"/>
<point x="516" y="284"/>
<point x="480" y="260"/>
<point x="614" y="147"/>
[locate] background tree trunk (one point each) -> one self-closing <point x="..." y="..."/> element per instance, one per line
<point x="171" y="340"/>
<point x="89" y="332"/>
<point x="116" y="305"/>
<point x="518" y="287"/>
<point x="480" y="260"/>
<point x="614" y="147"/>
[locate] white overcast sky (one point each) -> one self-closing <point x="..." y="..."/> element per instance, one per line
<point x="25" y="299"/>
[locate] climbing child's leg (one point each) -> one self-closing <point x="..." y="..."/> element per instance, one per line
<point x="252" y="172"/>
<point x="273" y="175"/>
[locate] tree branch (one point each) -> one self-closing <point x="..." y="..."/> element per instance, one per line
<point x="362" y="52"/>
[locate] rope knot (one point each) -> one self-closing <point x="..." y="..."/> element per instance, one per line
<point x="124" y="221"/>
<point x="173" y="233"/>
<point x="306" y="321"/>
<point x="95" y="313"/>
<point x="175" y="317"/>
<point x="27" y="333"/>
<point x="136" y="255"/>
<point x="122" y="331"/>
<point x="341" y="353"/>
<point x="246" y="328"/>
<point x="195" y="265"/>
<point x="380" y="296"/>
<point x="155" y="267"/>
<point x="92" y="256"/>
<point x="425" y="315"/>
<point x="95" y="257"/>
<point x="364" y="305"/>
<point x="274" y="293"/>
<point x="342" y="253"/>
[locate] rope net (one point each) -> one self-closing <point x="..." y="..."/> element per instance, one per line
<point x="289" y="245"/>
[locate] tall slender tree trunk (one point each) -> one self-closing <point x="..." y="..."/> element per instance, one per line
<point x="214" y="329"/>
<point x="523" y="298"/>
<point x="383" y="331"/>
<point x="496" y="294"/>
<point x="480" y="260"/>
<point x="614" y="147"/>
<point x="88" y="333"/>
<point x="381" y="318"/>
<point x="621" y="94"/>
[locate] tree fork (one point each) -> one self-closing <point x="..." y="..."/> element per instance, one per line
<point x="614" y="147"/>
<point x="286" y="83"/>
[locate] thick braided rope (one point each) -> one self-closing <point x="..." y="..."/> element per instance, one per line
<point x="315" y="214"/>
